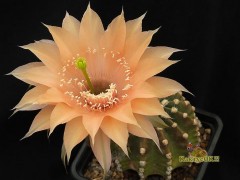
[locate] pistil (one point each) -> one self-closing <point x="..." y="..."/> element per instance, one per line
<point x="82" y="65"/>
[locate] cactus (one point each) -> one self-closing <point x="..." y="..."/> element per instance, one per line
<point x="174" y="135"/>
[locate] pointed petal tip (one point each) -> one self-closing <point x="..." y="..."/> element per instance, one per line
<point x="156" y="30"/>
<point x="27" y="135"/>
<point x="24" y="46"/>
<point x="50" y="131"/>
<point x="174" y="61"/>
<point x="15" y="111"/>
<point x="68" y="158"/>
<point x="89" y="5"/>
<point x="166" y="115"/>
<point x="187" y="91"/>
<point x="143" y="15"/>
<point x="30" y="45"/>
<point x="160" y="149"/>
<point x="46" y="25"/>
<point x="24" y="137"/>
<point x="63" y="156"/>
<point x="122" y="12"/>
<point x="157" y="143"/>
<point x="14" y="108"/>
<point x="152" y="32"/>
<point x="121" y="16"/>
<point x="92" y="139"/>
<point x="179" y="50"/>
<point x="126" y="153"/>
<point x="8" y="74"/>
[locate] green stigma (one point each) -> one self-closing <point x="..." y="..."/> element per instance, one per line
<point x="82" y="65"/>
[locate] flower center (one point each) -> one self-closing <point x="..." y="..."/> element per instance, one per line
<point x="101" y="101"/>
<point x="98" y="82"/>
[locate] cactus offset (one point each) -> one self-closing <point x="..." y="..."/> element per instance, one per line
<point x="174" y="135"/>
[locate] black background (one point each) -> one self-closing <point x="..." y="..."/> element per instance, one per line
<point x="208" y="29"/>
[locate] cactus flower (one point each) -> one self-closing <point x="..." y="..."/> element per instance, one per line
<point x="98" y="82"/>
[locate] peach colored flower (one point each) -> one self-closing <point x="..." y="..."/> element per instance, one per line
<point x="121" y="67"/>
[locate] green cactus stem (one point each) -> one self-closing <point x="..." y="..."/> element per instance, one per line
<point x="174" y="135"/>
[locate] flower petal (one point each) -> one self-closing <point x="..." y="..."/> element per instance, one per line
<point x="149" y="67"/>
<point x="165" y="87"/>
<point x="23" y="68"/>
<point x="63" y="155"/>
<point x="71" y="24"/>
<point x="134" y="26"/>
<point x="137" y="131"/>
<point x="136" y="45"/>
<point x="67" y="43"/>
<point x="114" y="37"/>
<point x="102" y="151"/>
<point x="41" y="121"/>
<point x="47" y="52"/>
<point x="74" y="133"/>
<point x="51" y="96"/>
<point x="147" y="126"/>
<point x="31" y="96"/>
<point x="123" y="113"/>
<point x="91" y="29"/>
<point x="142" y="90"/>
<point x="61" y="114"/>
<point x="160" y="52"/>
<point x="36" y="75"/>
<point x="149" y="107"/>
<point x="29" y="107"/>
<point x="92" y="122"/>
<point x="117" y="131"/>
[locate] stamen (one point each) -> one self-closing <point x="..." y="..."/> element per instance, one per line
<point x="127" y="87"/>
<point x="98" y="93"/>
<point x="100" y="101"/>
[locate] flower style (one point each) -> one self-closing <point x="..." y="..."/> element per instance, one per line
<point x="99" y="82"/>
